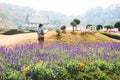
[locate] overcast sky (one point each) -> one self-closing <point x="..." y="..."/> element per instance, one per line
<point x="67" y="7"/>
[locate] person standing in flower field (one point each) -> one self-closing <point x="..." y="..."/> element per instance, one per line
<point x="41" y="33"/>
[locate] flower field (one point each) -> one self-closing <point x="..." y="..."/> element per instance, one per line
<point x="61" y="61"/>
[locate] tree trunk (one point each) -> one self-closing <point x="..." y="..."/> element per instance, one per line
<point x="76" y="27"/>
<point x="73" y="28"/>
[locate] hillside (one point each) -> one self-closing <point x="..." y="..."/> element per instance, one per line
<point x="81" y="37"/>
<point x="10" y="40"/>
<point x="12" y="16"/>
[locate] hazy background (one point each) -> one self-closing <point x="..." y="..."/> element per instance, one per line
<point x="13" y="13"/>
<point x="64" y="6"/>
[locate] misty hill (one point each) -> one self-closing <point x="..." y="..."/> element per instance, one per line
<point x="106" y="16"/>
<point x="12" y="16"/>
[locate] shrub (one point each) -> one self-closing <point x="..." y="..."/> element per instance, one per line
<point x="72" y="68"/>
<point x="63" y="29"/>
<point x="12" y="31"/>
<point x="73" y="33"/>
<point x="11" y="74"/>
<point x="41" y="72"/>
<point x="98" y="27"/>
<point x="117" y="25"/>
<point x="103" y="65"/>
<point x="117" y="68"/>
<point x="58" y="31"/>
<point x="60" y="73"/>
<point x="108" y="26"/>
<point x="98" y="75"/>
<point x="32" y="30"/>
<point x="58" y="34"/>
<point x="111" y="35"/>
<point x="90" y="68"/>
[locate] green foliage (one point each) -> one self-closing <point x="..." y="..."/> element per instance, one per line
<point x="58" y="34"/>
<point x="82" y="76"/>
<point x="111" y="35"/>
<point x="99" y="70"/>
<point x="103" y="65"/>
<point x="108" y="26"/>
<point x="117" y="68"/>
<point x="58" y="31"/>
<point x="32" y="30"/>
<point x="88" y="25"/>
<point x="60" y="73"/>
<point x="73" y="23"/>
<point x="73" y="33"/>
<point x="114" y="77"/>
<point x="90" y="68"/>
<point x="99" y="75"/>
<point x="72" y="68"/>
<point x="98" y="27"/>
<point x="11" y="74"/>
<point x="12" y="31"/>
<point x="41" y="72"/>
<point x="63" y="29"/>
<point x="77" y="21"/>
<point x="96" y="75"/>
<point x="117" y="25"/>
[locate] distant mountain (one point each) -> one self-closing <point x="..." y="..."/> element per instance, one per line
<point x="12" y="16"/>
<point x="107" y="16"/>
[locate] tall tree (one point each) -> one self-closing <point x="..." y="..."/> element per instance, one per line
<point x="117" y="25"/>
<point x="88" y="25"/>
<point x="73" y="24"/>
<point x="108" y="26"/>
<point x="77" y="21"/>
<point x="98" y="27"/>
<point x="63" y="28"/>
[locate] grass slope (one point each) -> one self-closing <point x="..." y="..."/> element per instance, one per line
<point x="9" y="40"/>
<point x="80" y="37"/>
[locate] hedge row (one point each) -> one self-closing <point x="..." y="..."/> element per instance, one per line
<point x="12" y="31"/>
<point x="98" y="70"/>
<point x="111" y="35"/>
<point x="15" y="31"/>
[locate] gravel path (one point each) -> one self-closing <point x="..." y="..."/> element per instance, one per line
<point x="10" y="40"/>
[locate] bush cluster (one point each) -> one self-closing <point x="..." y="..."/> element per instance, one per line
<point x="111" y="35"/>
<point x="12" y="31"/>
<point x="98" y="70"/>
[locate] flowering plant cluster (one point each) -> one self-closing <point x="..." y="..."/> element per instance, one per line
<point x="60" y="61"/>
